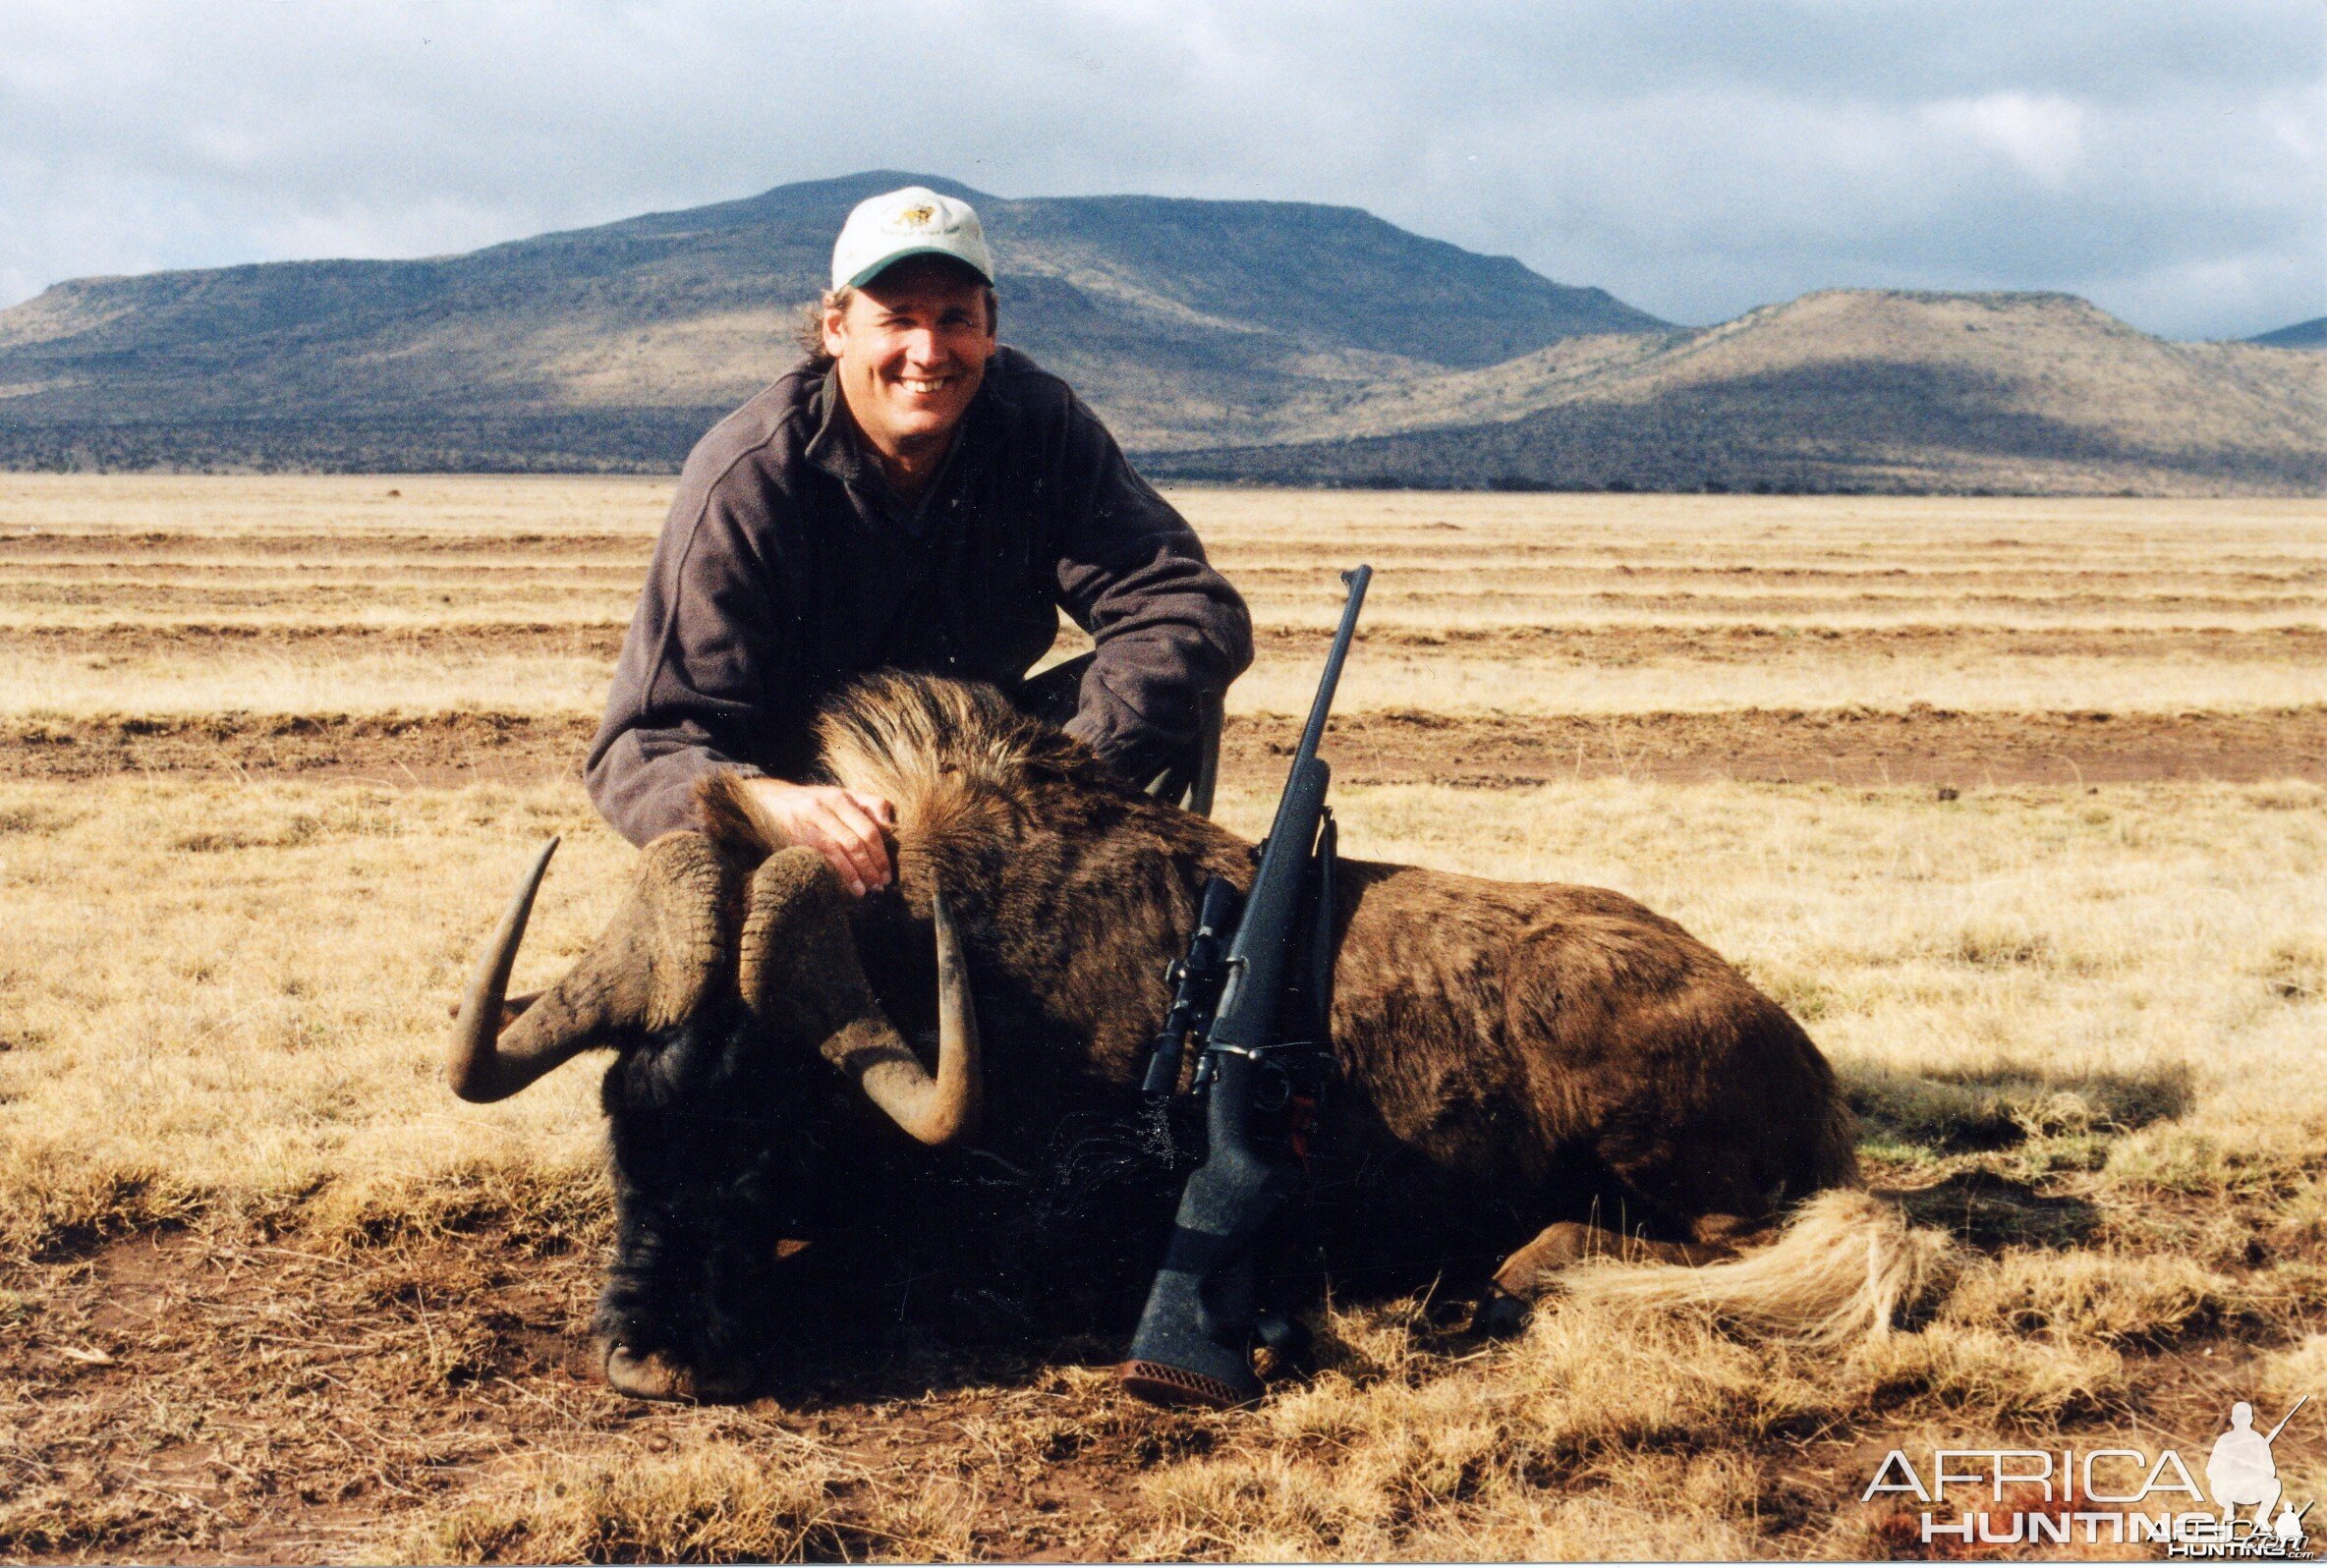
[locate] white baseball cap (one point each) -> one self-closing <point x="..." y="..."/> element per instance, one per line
<point x="914" y="221"/>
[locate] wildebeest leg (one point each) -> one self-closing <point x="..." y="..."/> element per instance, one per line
<point x="696" y="1180"/>
<point x="1533" y="1271"/>
<point x="655" y="1322"/>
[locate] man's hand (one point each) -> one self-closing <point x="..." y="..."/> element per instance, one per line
<point x="845" y="827"/>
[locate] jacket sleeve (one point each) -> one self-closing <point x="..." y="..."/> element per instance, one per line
<point x="709" y="652"/>
<point x="1170" y="631"/>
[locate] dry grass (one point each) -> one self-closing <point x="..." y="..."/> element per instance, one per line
<point x="417" y="676"/>
<point x="241" y="990"/>
<point x="445" y="560"/>
<point x="1602" y="1432"/>
<point x="720" y="1499"/>
<point x="720" y="1502"/>
<point x="266" y="1292"/>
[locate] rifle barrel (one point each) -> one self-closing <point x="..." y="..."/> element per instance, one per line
<point x="1262" y="946"/>
<point x="1314" y="734"/>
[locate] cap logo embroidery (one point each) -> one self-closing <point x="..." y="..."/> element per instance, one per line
<point x="914" y="221"/>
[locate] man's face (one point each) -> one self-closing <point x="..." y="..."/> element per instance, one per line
<point x="912" y="347"/>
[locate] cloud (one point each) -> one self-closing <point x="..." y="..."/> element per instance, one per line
<point x="2042" y="137"/>
<point x="1696" y="159"/>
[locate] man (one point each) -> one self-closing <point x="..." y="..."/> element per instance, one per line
<point x="912" y="497"/>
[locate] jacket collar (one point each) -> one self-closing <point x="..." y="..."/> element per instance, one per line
<point x="833" y="446"/>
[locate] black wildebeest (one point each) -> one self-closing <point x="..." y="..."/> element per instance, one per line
<point x="1534" y="1071"/>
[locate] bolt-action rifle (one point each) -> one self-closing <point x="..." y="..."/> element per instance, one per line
<point x="1259" y="1017"/>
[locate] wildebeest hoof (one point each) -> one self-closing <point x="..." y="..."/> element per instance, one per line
<point x="1500" y="1315"/>
<point x="651" y="1374"/>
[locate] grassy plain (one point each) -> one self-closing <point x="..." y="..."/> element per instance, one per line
<point x="266" y="1290"/>
<point x="155" y="596"/>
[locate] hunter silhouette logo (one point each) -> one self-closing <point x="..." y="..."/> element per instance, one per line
<point x="2240" y="1472"/>
<point x="2113" y="1497"/>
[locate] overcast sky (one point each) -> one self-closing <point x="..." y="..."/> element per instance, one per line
<point x="2167" y="159"/>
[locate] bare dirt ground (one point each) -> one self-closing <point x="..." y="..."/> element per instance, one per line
<point x="1852" y="746"/>
<point x="245" y="1402"/>
<point x="1613" y="646"/>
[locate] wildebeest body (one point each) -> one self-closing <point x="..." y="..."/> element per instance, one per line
<point x="1520" y="1066"/>
<point x="1509" y="1053"/>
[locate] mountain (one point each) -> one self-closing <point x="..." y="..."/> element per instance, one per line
<point x="1263" y="340"/>
<point x="1187" y="322"/>
<point x="2311" y="334"/>
<point x="1844" y="390"/>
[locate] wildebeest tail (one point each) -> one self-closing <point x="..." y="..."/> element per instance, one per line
<point x="1847" y="1265"/>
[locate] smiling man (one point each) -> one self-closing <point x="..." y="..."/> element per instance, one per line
<point x="916" y="498"/>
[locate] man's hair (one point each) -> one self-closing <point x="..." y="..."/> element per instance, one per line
<point x="811" y="333"/>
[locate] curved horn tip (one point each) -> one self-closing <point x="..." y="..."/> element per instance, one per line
<point x="960" y="1085"/>
<point x="474" y="1067"/>
<point x="936" y="1110"/>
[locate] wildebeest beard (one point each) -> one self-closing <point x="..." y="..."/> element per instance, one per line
<point x="766" y="1222"/>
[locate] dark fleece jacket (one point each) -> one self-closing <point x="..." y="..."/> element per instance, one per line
<point x="787" y="566"/>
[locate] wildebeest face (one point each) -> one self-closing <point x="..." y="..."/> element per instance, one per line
<point x="705" y="939"/>
<point x="746" y="1103"/>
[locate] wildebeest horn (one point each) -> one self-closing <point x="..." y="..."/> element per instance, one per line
<point x="650" y="970"/>
<point x="801" y="975"/>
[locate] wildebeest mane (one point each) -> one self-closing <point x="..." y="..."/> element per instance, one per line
<point x="930" y="747"/>
<point x="903" y="736"/>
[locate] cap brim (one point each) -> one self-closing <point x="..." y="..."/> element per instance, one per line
<point x="866" y="275"/>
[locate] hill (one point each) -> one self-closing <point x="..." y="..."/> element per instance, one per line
<point x="1845" y="390"/>
<point x="1188" y="322"/>
<point x="2311" y="334"/>
<point x="1279" y="342"/>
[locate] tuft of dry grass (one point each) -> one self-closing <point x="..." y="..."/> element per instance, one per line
<point x="58" y="1202"/>
<point x="2297" y="1369"/>
<point x="2106" y="1299"/>
<point x="715" y="1502"/>
<point x="541" y="1208"/>
<point x="1387" y="1454"/>
<point x="1977" y="1378"/>
<point x="1993" y="1106"/>
<point x="2295" y="968"/>
<point x="54" y="1523"/>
